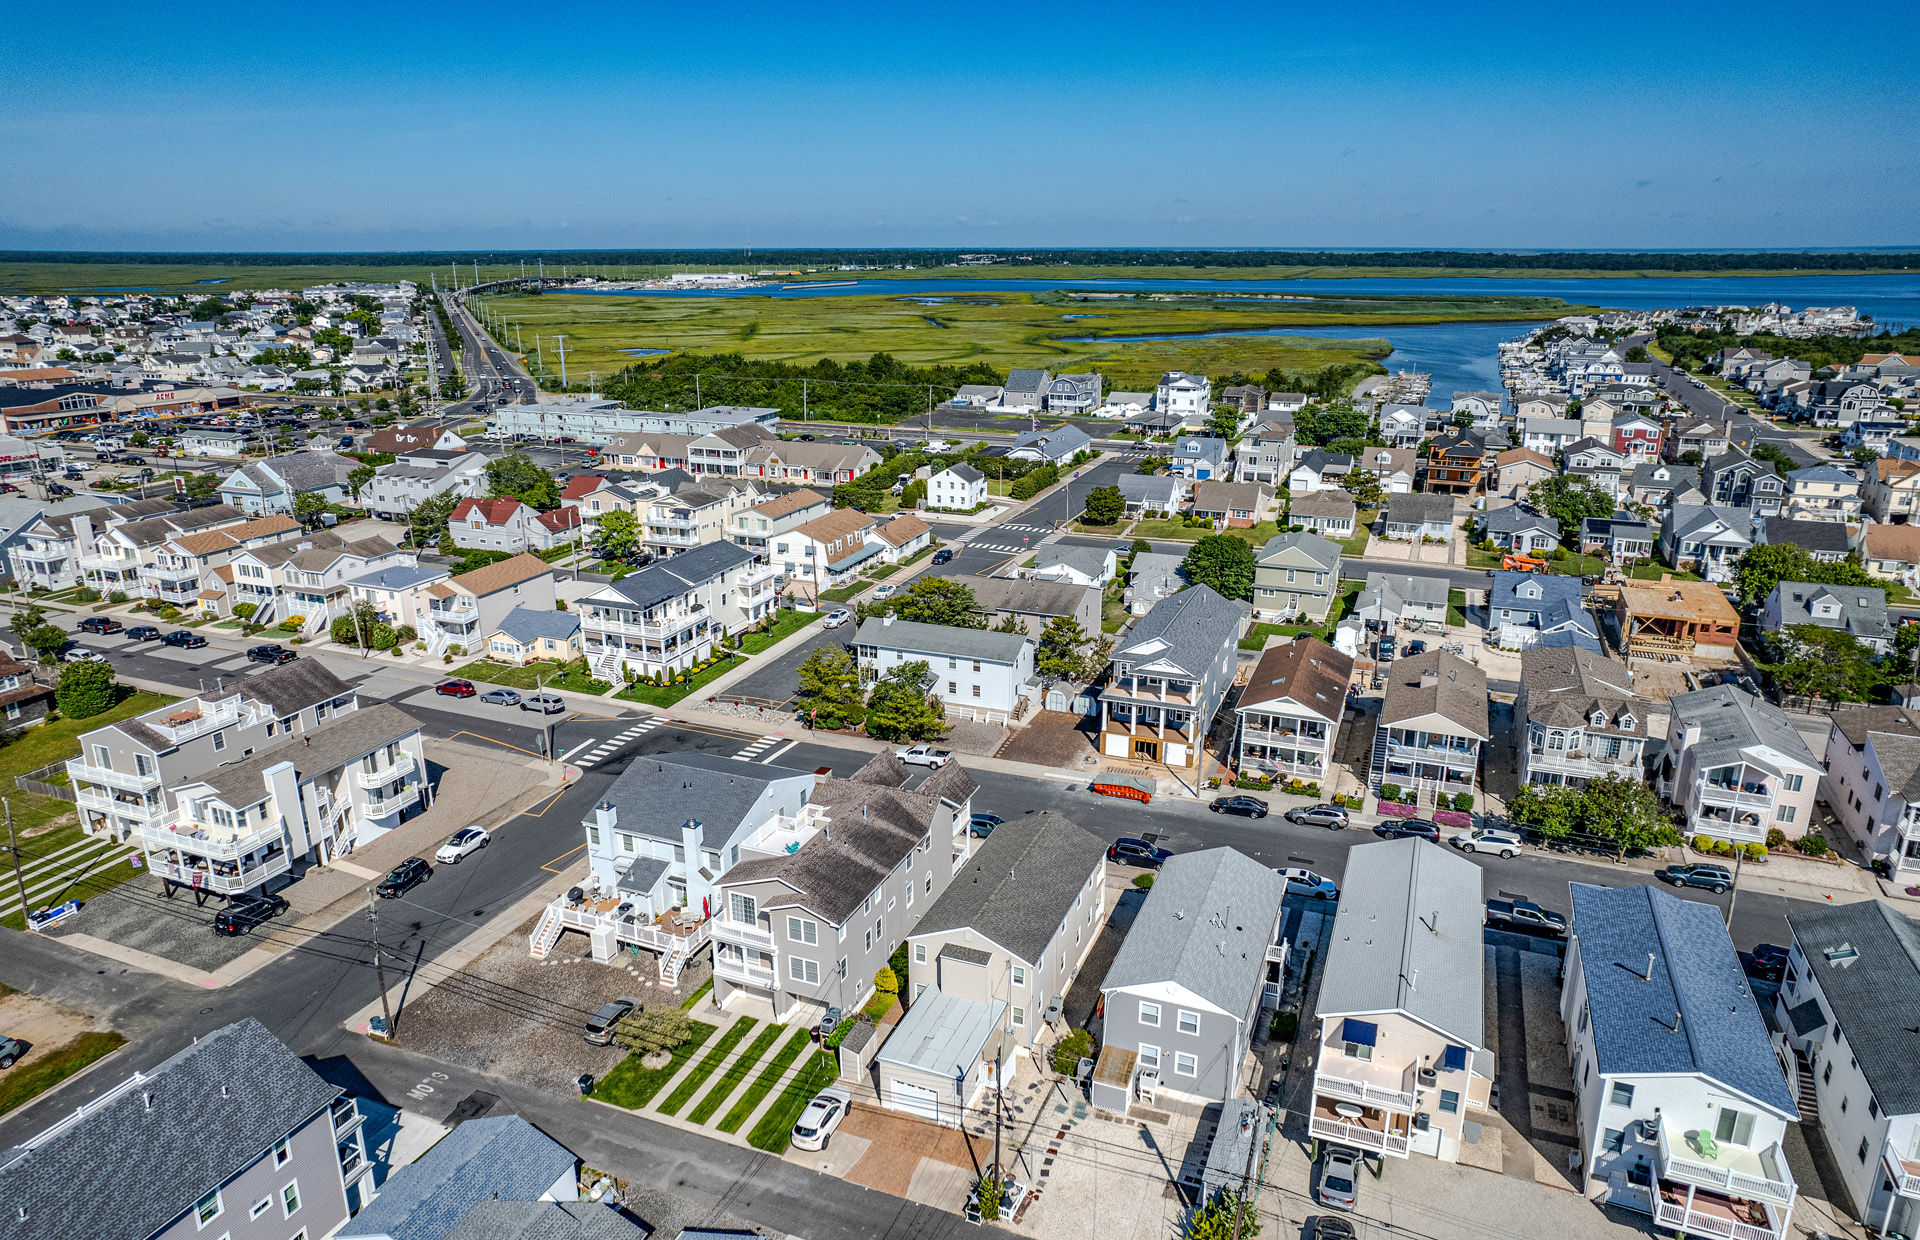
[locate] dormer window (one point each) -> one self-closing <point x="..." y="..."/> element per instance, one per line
<point x="1626" y="723"/>
<point x="1598" y="719"/>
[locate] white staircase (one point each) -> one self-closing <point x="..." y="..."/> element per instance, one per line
<point x="675" y="957"/>
<point x="607" y="666"/>
<point x="547" y="933"/>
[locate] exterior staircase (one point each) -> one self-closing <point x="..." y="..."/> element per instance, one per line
<point x="547" y="933"/>
<point x="1377" y="766"/>
<point x="607" y="666"/>
<point x="1808" y="1097"/>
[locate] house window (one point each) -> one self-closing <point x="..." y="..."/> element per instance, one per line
<point x="208" y="1208"/>
<point x="801" y="970"/>
<point x="1622" y="1095"/>
<point x="743" y="909"/>
<point x="1149" y="1056"/>
<point x="1792" y="783"/>
<point x="803" y="930"/>
<point x="290" y="1198"/>
<point x="1736" y="1127"/>
<point x="1784" y="814"/>
<point x="1019" y="1017"/>
<point x="259" y="1207"/>
<point x="1019" y="975"/>
<point x="1189" y="1023"/>
<point x="626" y="843"/>
<point x="1861" y="1153"/>
<point x="593" y="836"/>
<point x="1150" y="1014"/>
<point x="1613" y="1140"/>
<point x="919" y="988"/>
<point x="219" y="741"/>
<point x="919" y="953"/>
<point x="952" y="688"/>
<point x="1450" y="1102"/>
<point x="680" y="853"/>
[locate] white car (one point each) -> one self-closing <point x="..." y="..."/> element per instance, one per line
<point x="924" y="755"/>
<point x="822" y="1116"/>
<point x="1487" y="839"/>
<point x="1309" y="883"/>
<point x="885" y="590"/>
<point x="465" y="842"/>
<point x="837" y="617"/>
<point x="80" y="654"/>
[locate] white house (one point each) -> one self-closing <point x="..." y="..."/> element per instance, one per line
<point x="978" y="674"/>
<point x="957" y="488"/>
<point x="1186" y="397"/>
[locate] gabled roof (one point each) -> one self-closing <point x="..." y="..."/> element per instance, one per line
<point x="1734" y="726"/>
<point x="1029" y="596"/>
<point x="681" y="574"/>
<point x="1822" y="474"/>
<point x="942" y="639"/>
<point x="295" y="686"/>
<point x="658" y="793"/>
<point x="1322" y="551"/>
<point x="494" y="577"/>
<point x="792" y="501"/>
<point x="1305" y="670"/>
<point x="1553" y="600"/>
<point x="551" y="1220"/>
<point x="1890" y="542"/>
<point x="1873" y="993"/>
<point x="1862" y="609"/>
<point x="1206" y="924"/>
<point x="1419" y="508"/>
<point x="840" y="524"/>
<point x="527" y="624"/>
<point x="1020" y="884"/>
<point x="501" y="1158"/>
<point x="1437" y="683"/>
<point x="1565" y="685"/>
<point x="1520" y="519"/>
<point x="487" y="511"/>
<point x="1187" y="630"/>
<point x="1666" y="996"/>
<point x="1819" y="536"/>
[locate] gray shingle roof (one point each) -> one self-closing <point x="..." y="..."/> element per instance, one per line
<point x="1407" y="938"/>
<point x="1558" y="601"/>
<point x="526" y="624"/>
<point x="1026" y="596"/>
<point x="500" y="1158"/>
<point x="657" y="794"/>
<point x="676" y="575"/>
<point x="1817" y="536"/>
<point x="295" y="686"/>
<point x="1519" y="519"/>
<point x="189" y="1141"/>
<point x="941" y="639"/>
<point x="1020" y="884"/>
<point x="332" y="744"/>
<point x="400" y="577"/>
<point x="1087" y="561"/>
<point x="1863" y="609"/>
<point x="1691" y="1012"/>
<point x="1565" y="685"/>
<point x="546" y="1220"/>
<point x="1187" y="630"/>
<point x="1321" y="550"/>
<point x="1412" y="587"/>
<point x="1875" y="995"/>
<point x="1200" y="901"/>
<point x="1419" y="508"/>
<point x="1732" y="724"/>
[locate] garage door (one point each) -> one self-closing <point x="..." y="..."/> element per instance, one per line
<point x="914" y="1100"/>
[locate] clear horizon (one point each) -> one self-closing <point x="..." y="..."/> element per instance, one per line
<point x="587" y="127"/>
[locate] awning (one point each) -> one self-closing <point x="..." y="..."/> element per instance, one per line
<point x="1454" y="1059"/>
<point x="1358" y="1032"/>
<point x="859" y="557"/>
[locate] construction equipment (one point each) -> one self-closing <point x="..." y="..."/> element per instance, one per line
<point x="1522" y="563"/>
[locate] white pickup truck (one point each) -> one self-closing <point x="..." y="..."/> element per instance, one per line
<point x="924" y="755"/>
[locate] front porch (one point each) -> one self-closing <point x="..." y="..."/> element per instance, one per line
<point x="612" y="922"/>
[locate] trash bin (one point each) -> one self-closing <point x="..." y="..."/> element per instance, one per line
<point x="584" y="1083"/>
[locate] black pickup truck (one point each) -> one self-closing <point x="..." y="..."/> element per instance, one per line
<point x="1526" y="917"/>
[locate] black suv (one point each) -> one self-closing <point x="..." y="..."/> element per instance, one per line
<point x="1249" y="807"/>
<point x="243" y="913"/>
<point x="403" y="878"/>
<point x="1715" y="878"/>
<point x="271" y="654"/>
<point x="185" y="640"/>
<point x="143" y="633"/>
<point x="1129" y="851"/>
<point x="103" y="625"/>
<point x="1395" y="828"/>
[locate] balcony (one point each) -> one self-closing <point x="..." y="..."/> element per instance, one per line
<point x="726" y="930"/>
<point x="465" y="614"/>
<point x="604" y="623"/>
<point x="1574" y="762"/>
<point x="673" y="538"/>
<point x="77" y="771"/>
<point x="1904" y="1172"/>
<point x="228" y="881"/>
<point x="1463" y="755"/>
<point x="1754" y="832"/>
<point x="199" y="840"/>
<point x="1154" y="690"/>
<point x="1711" y="1214"/>
<point x="1362" y="1130"/>
<point x="1748" y="796"/>
<point x="1348" y="1090"/>
<point x="402" y="767"/>
<point x="125" y="805"/>
<point x="783" y="834"/>
<point x="746" y="974"/>
<point x="1735" y="1169"/>
<point x="381" y="807"/>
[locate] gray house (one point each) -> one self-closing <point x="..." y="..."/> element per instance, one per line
<point x="1170" y="674"/>
<point x="1396" y="597"/>
<point x="500" y="1158"/>
<point x="1295" y="575"/>
<point x="232" y="1137"/>
<point x="1152" y="494"/>
<point x="1417" y="517"/>
<point x="1858" y="610"/>
<point x="272" y="484"/>
<point x="1034" y="601"/>
<point x="1182" y="996"/>
<point x="1054" y="447"/>
<point x="1520" y="527"/>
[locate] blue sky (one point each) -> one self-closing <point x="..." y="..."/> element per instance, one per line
<point x="222" y="127"/>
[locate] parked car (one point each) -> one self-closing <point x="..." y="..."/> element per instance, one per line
<point x="601" y="1024"/>
<point x="1526" y="917"/>
<point x="501" y="697"/>
<point x="57" y="490"/>
<point x="1130" y="851"/>
<point x="545" y="703"/>
<point x="1329" y="1227"/>
<point x="143" y="633"/>
<point x="1416" y="647"/>
<point x="11" y="1049"/>
<point x="244" y="912"/>
<point x="1715" y="878"/>
<point x="982" y="825"/>
<point x="103" y="625"/>
<point x="455" y="688"/>
<point x="1246" y="807"/>
<point x="274" y="654"/>
<point x="1340" y="1178"/>
<point x="403" y="878"/>
<point x="1765" y="963"/>
<point x="1395" y="828"/>
<point x="943" y="556"/>
<point x="133" y="460"/>
<point x="1333" y="817"/>
<point x="1306" y="882"/>
<point x="463" y="844"/>
<point x="80" y="654"/>
<point x="1486" y="839"/>
<point x="823" y="1114"/>
<point x="924" y="755"/>
<point x="885" y="590"/>
<point x="837" y="617"/>
<point x="184" y="640"/>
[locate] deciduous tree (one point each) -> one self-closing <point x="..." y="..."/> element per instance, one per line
<point x="514" y="474"/>
<point x="1105" y="505"/>
<point x="830" y="693"/>
<point x="85" y="689"/>
<point x="1825" y="663"/>
<point x="1067" y="652"/>
<point x="900" y="709"/>
<point x="618" y="534"/>
<point x="1224" y="563"/>
<point x="936" y="600"/>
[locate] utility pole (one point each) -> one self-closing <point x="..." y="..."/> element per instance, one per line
<point x="560" y="343"/>
<point x="456" y="275"/>
<point x="379" y="966"/>
<point x="13" y="850"/>
<point x="1733" y="893"/>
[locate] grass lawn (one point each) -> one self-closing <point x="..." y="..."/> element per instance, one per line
<point x="775" y="1130"/>
<point x="1164" y="529"/>
<point x="37" y="1078"/>
<point x="706" y="988"/>
<point x="631" y="1086"/>
<point x="486" y="671"/>
<point x="1256" y="638"/>
<point x="656" y="695"/>
<point x="736" y="1072"/>
<point x="883" y="572"/>
<point x="55" y="742"/>
<point x="932" y="546"/>
<point x="841" y="594"/>
<point x="764" y="1083"/>
<point x="879" y="1005"/>
<point x="1113" y="612"/>
<point x="1457" y="607"/>
<point x="1356" y="546"/>
<point x="789" y="623"/>
<point x="683" y="1092"/>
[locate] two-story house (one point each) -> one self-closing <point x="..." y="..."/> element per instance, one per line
<point x="23" y="701"/>
<point x="1170" y="672"/>
<point x="413" y="478"/>
<point x="1582" y="719"/>
<point x="1517" y="471"/>
<point x="272" y="484"/>
<point x="1074" y="394"/>
<point x="1846" y="1010"/>
<point x="1636" y="436"/>
<point x="1734" y="479"/>
<point x="1424" y="517"/>
<point x="810" y="464"/>
<point x="1053" y="447"/>
<point x="1872" y="784"/>
<point x="978" y="674"/>
<point x="316" y="581"/>
<point x="1705" y="539"/>
<point x="1287" y="720"/>
<point x="1859" y="611"/>
<point x="1401" y="1054"/>
<point x="1892" y="490"/>
<point x="506" y="524"/>
<point x="668" y="616"/>
<point x="1736" y="767"/>
<point x="1319" y="470"/>
<point x="44" y="552"/>
<point x="1662" y="485"/>
<point x="1431" y="727"/>
<point x="1890" y="552"/>
<point x="756" y="527"/>
<point x="957" y="488"/>
<point x="1183" y="995"/>
<point x="991" y="960"/>
<point x="276" y="1151"/>
<point x="1265" y="452"/>
<point x="1823" y="493"/>
<point x="495" y="1176"/>
<point x="1033" y="602"/>
<point x="1529" y="609"/>
<point x="1680" y="1101"/>
<point x="1198" y="458"/>
<point x="1236" y="505"/>
<point x="1295" y="574"/>
<point x="694" y="514"/>
<point x="826" y="551"/>
<point x="1826" y="541"/>
<point x="462" y="610"/>
<point x="1456" y="463"/>
<point x="177" y="567"/>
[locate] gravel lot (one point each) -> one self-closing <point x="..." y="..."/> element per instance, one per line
<point x="136" y="915"/>
<point x="522" y="1017"/>
<point x="1053" y="738"/>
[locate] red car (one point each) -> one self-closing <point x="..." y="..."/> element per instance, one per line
<point x="456" y="688"/>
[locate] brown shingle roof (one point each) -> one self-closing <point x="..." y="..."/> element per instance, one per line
<point x="493" y="577"/>
<point x="793" y="501"/>
<point x="902" y="529"/>
<point x="1308" y="671"/>
<point x="1437" y="683"/>
<point x="841" y="524"/>
<point x="1892" y="542"/>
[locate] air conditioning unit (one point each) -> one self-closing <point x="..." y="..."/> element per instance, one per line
<point x="1421" y="1121"/>
<point x="1427" y="1078"/>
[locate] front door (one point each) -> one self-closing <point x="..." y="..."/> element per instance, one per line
<point x="1146" y="751"/>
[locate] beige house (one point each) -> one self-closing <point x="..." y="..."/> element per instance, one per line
<point x="1295" y="574"/>
<point x="1240" y="505"/>
<point x="1517" y="470"/>
<point x="1893" y="490"/>
<point x="754" y="527"/>
<point x="694" y="515"/>
<point x="1891" y="552"/>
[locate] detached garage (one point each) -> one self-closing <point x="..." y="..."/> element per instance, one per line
<point x="940" y="1058"/>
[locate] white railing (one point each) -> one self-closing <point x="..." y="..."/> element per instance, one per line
<point x="1906" y="1181"/>
<point x="177" y="832"/>
<point x="1355" y="1135"/>
<point x="1361" y="1091"/>
<point x="1677" y="1166"/>
<point x="246" y="879"/>
<point x="1732" y="832"/>
<point x="726" y="931"/>
<point x="1719" y="794"/>
<point x="1576" y="763"/>
<point x="78" y="770"/>
<point x="136" y="809"/>
<point x="735" y="971"/>
<point x="1433" y="753"/>
<point x="380" y="807"/>
<point x="402" y="767"/>
<point x="660" y="632"/>
<point x="1676" y="1214"/>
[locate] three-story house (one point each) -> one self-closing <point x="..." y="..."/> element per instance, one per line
<point x="1582" y="718"/>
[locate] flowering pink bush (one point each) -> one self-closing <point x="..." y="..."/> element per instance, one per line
<point x="1452" y="818"/>
<point x="1390" y="809"/>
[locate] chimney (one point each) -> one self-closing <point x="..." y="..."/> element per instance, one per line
<point x="886" y="620"/>
<point x="605" y="816"/>
<point x="1429" y="677"/>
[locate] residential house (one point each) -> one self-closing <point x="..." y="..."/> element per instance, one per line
<point x="272" y="484"/>
<point x="1525" y="609"/>
<point x="1456" y="463"/>
<point x="1265" y="452"/>
<point x="979" y="674"/>
<point x="1432" y="724"/>
<point x="1319" y="470"/>
<point x="1582" y="719"/>
<point x="1891" y="552"/>
<point x="1636" y="437"/>
<point x="1152" y="495"/>
<point x="1676" y="621"/>
<point x="1287" y="720"/>
<point x="1663" y="485"/>
<point x="1025" y="390"/>
<point x="112" y="555"/>
<point x="1825" y="541"/>
<point x="1333" y="514"/>
<point x="1680" y="1103"/>
<point x="1705" y="539"/>
<point x="1080" y="566"/>
<point x="1860" y="611"/>
<point x="1074" y="394"/>
<point x="1055" y="447"/>
<point x="308" y="578"/>
<point x="506" y="524"/>
<point x="669" y="616"/>
<point x="1541" y="405"/>
<point x="213" y="442"/>
<point x="1620" y="538"/>
<point x="1839" y="403"/>
<point x="1392" y="598"/>
<point x="1034" y="603"/>
<point x="1734" y="479"/>
<point x="991" y="959"/>
<point x="826" y="551"/>
<point x="957" y="488"/>
<point x="757" y="527"/>
<point x="1892" y="492"/>
<point x="1522" y="528"/>
<point x="1823" y="493"/>
<point x="1170" y="672"/>
<point x="233" y="1135"/>
<point x="1239" y="505"/>
<point x="1295" y="577"/>
<point x="1198" y="458"/>
<point x="462" y="610"/>
<point x="1245" y="397"/>
<point x="1190" y="982"/>
<point x="978" y="395"/>
<point x="1517" y="470"/>
<point x="1880" y="808"/>
<point x="488" y="1169"/>
<point x="810" y="464"/>
<point x="397" y="489"/>
<point x="1151" y="577"/>
<point x="1185" y="398"/>
<point x="1846" y="1011"/>
<point x="45" y="549"/>
<point x="1875" y="431"/>
<point x="529" y="636"/>
<point x="1403" y="426"/>
<point x="1701" y="435"/>
<point x="401" y="440"/>
<point x="176" y="568"/>
<point x="818" y="900"/>
<point x="1549" y="435"/>
<point x="1590" y="454"/>
<point x="693" y="514"/>
<point x="1483" y="406"/>
<point x="1736" y="767"/>
<point x="725" y="452"/>
<point x="1401" y="1052"/>
<point x="1424" y="517"/>
<point x="1394" y="467"/>
<point x="23" y="701"/>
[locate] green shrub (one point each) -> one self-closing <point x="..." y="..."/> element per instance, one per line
<point x="1776" y="838"/>
<point x="1389" y="792"/>
<point x="1559" y="554"/>
<point x="1723" y="848"/>
<point x="1756" y="852"/>
<point x="1143" y="881"/>
<point x="86" y="594"/>
<point x="1070" y="1050"/>
<point x="1285" y="1026"/>
<point x="886" y="981"/>
<point x="1702" y="843"/>
<point x="1812" y="845"/>
<point x="118" y="596"/>
<point x="1463" y="801"/>
<point x="245" y="611"/>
